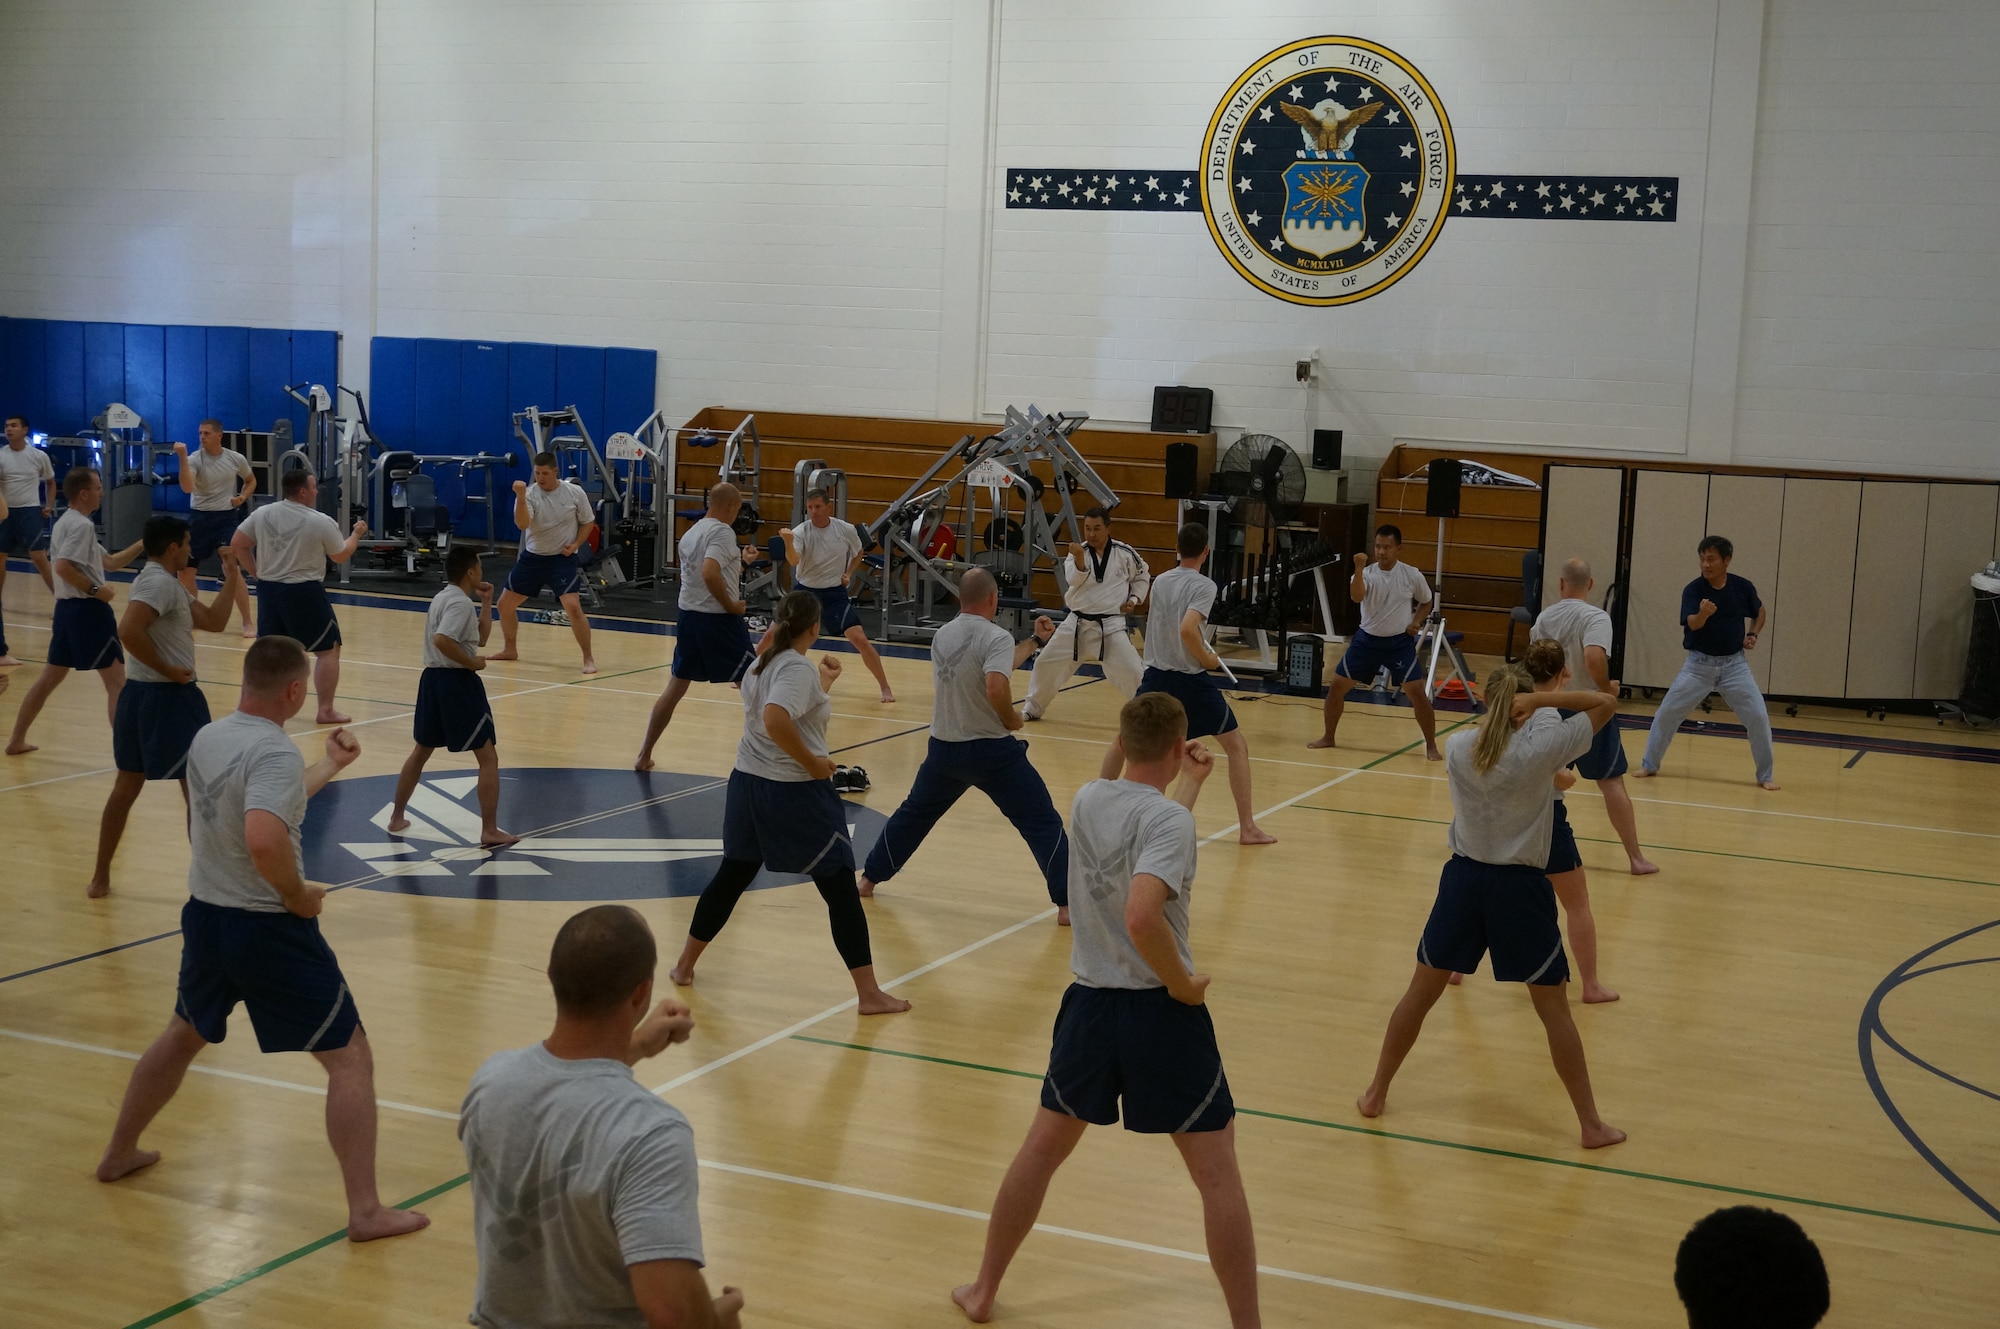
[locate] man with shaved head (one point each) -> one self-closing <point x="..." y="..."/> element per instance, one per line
<point x="1584" y="632"/>
<point x="973" y="745"/>
<point x="711" y="642"/>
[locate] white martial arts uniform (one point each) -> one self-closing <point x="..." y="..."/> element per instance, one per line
<point x="1095" y="629"/>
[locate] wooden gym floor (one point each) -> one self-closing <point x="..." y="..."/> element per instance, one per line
<point x="848" y="1163"/>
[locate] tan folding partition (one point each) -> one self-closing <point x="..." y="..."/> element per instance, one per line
<point x="1958" y="540"/>
<point x="1882" y="645"/>
<point x="1748" y="511"/>
<point x="1814" y="594"/>
<point x="1669" y="517"/>
<point x="1581" y="520"/>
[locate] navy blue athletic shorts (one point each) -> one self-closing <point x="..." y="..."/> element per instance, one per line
<point x="1506" y="908"/>
<point x="711" y="648"/>
<point x="1606" y="757"/>
<point x="562" y="574"/>
<point x="20" y="530"/>
<point x="452" y="711"/>
<point x="1199" y="695"/>
<point x="153" y="727"/>
<point x="787" y="825"/>
<point x="1367" y="653"/>
<point x="1142" y="1049"/>
<point x="836" y="612"/>
<point x="278" y="965"/>
<point x="210" y="531"/>
<point x="1563" y="853"/>
<point x="85" y="635"/>
<point x="299" y="610"/>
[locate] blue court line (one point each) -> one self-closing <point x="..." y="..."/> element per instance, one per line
<point x="1873" y="1027"/>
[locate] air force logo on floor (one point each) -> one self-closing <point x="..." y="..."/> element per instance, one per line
<point x="1327" y="171"/>
<point x="586" y="835"/>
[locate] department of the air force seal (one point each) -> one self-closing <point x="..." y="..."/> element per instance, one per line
<point x="1327" y="171"/>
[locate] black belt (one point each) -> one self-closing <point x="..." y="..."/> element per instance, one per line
<point x="1076" y="639"/>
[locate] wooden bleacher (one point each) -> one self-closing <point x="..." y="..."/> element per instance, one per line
<point x="884" y="456"/>
<point x="1483" y="545"/>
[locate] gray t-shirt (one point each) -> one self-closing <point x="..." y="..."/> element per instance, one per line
<point x="555" y="516"/>
<point x="577" y="1173"/>
<point x="706" y="539"/>
<point x="217" y="478"/>
<point x="237" y="765"/>
<point x="172" y="632"/>
<point x="790" y="680"/>
<point x="1507" y="815"/>
<point x="452" y="614"/>
<point x="1574" y="625"/>
<point x="293" y="541"/>
<point x="825" y="553"/>
<point x="1389" y="599"/>
<point x="74" y="537"/>
<point x="1176" y="591"/>
<point x="1117" y="830"/>
<point x="22" y="471"/>
<point x="963" y="653"/>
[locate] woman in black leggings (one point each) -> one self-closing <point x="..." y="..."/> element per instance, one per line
<point x="782" y="812"/>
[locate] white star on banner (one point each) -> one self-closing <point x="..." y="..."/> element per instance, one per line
<point x="1368" y="246"/>
<point x="1180" y="200"/>
<point x="1407" y="188"/>
<point x="1332" y="85"/>
<point x="1621" y="207"/>
<point x="1465" y="205"/>
<point x="1367" y="94"/>
<point x="1297" y="92"/>
<point x="1020" y="179"/>
<point x="1631" y="193"/>
<point x="1254" y="219"/>
<point x="1187" y="184"/>
<point x="1392" y="221"/>
<point x="1548" y="207"/>
<point x="1249" y="149"/>
<point x="1264" y="114"/>
<point x="1153" y="183"/>
<point x="1242" y="184"/>
<point x="1014" y="195"/>
<point x="1597" y="200"/>
<point x="1567" y="203"/>
<point x="1485" y="202"/>
<point x="1090" y="194"/>
<point x="1658" y="208"/>
<point x="1512" y="206"/>
<point x="1499" y="188"/>
<point x="1111" y="182"/>
<point x="1035" y="183"/>
<point x="1045" y="198"/>
<point x="1138" y="198"/>
<point x="1408" y="149"/>
<point x="1541" y="191"/>
<point x="1392" y="117"/>
<point x="1276" y="244"/>
<point x="1063" y="190"/>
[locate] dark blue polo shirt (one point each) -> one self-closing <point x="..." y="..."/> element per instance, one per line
<point x="1735" y="604"/>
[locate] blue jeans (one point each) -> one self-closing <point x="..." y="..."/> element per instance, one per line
<point x="1702" y="674"/>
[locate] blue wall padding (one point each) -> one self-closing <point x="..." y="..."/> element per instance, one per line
<point x="145" y="376"/>
<point x="186" y="385"/>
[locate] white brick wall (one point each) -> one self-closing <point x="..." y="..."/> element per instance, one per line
<point x="1871" y="333"/>
<point x="759" y="188"/>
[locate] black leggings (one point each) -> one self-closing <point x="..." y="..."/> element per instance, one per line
<point x="836" y="887"/>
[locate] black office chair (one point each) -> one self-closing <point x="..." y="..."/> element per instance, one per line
<point x="1530" y="608"/>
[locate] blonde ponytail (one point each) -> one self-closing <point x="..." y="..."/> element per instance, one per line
<point x="1496" y="727"/>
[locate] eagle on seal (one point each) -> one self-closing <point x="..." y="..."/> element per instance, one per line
<point x="1329" y="127"/>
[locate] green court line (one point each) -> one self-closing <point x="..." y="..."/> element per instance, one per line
<point x="1462" y="1147"/>
<point x="1407" y="747"/>
<point x="1677" y="849"/>
<point x="273" y="1265"/>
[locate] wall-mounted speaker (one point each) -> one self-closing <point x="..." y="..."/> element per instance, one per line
<point x="1326" y="449"/>
<point x="1183" y="470"/>
<point x="1182" y="410"/>
<point x="1441" y="493"/>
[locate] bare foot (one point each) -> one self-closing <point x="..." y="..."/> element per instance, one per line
<point x="99" y="888"/>
<point x="385" y="1222"/>
<point x="1641" y="773"/>
<point x="398" y="823"/>
<point x="887" y="696"/>
<point x="645" y="763"/>
<point x="1255" y="834"/>
<point x="1594" y="993"/>
<point x="1431" y="752"/>
<point x="879" y="1002"/>
<point x="1771" y="785"/>
<point x="977" y="1305"/>
<point x="497" y="839"/>
<point x="1644" y="867"/>
<point x="1601" y="1135"/>
<point x="589" y="666"/>
<point x="333" y="717"/>
<point x="17" y="748"/>
<point x="249" y="631"/>
<point x="1323" y="741"/>
<point x="864" y="887"/>
<point x="1371" y="1102"/>
<point x="114" y="1166"/>
<point x="683" y="977"/>
<point x="505" y="653"/>
<point x="1062" y="915"/>
<point x="1456" y="979"/>
<point x="8" y="662"/>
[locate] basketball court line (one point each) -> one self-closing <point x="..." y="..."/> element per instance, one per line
<point x="1460" y="1145"/>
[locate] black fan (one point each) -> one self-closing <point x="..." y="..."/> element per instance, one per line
<point x="1265" y="477"/>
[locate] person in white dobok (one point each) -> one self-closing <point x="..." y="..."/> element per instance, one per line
<point x="1103" y="581"/>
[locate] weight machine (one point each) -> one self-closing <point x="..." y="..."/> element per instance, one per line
<point x="648" y="544"/>
<point x="922" y="555"/>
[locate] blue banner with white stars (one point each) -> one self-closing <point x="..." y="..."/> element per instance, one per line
<point x="1649" y="198"/>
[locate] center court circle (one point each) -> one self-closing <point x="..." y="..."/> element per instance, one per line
<point x="587" y="834"/>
